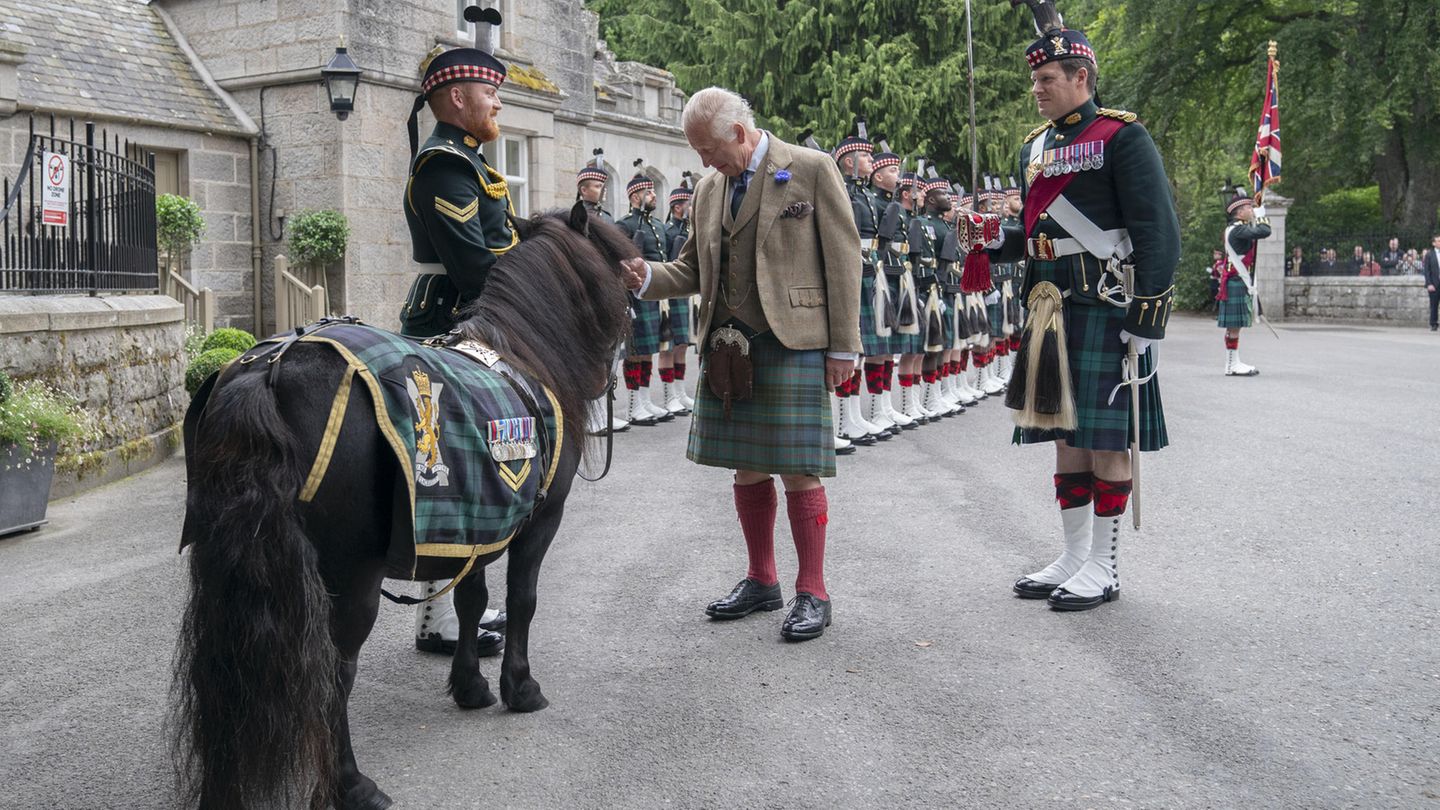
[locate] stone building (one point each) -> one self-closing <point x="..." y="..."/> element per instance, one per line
<point x="229" y="96"/>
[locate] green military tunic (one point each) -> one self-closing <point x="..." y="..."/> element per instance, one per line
<point x="458" y="210"/>
<point x="649" y="238"/>
<point x="1236" y="309"/>
<point x="677" y="231"/>
<point x="867" y="220"/>
<point x="1126" y="189"/>
<point x="892" y="249"/>
<point x="927" y="236"/>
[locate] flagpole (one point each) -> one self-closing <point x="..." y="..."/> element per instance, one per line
<point x="974" y="136"/>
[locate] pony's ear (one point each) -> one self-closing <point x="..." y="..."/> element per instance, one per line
<point x="579" y="218"/>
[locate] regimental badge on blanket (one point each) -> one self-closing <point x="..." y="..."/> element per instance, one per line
<point x="430" y="470"/>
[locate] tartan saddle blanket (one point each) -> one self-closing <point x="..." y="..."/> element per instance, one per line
<point x="475" y="441"/>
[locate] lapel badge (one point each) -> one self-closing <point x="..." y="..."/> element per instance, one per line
<point x="471" y="142"/>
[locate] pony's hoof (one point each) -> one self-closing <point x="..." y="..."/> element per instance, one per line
<point x="364" y="795"/>
<point x="525" y="698"/>
<point x="472" y="693"/>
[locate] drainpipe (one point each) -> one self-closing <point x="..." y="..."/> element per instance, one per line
<point x="256" y="264"/>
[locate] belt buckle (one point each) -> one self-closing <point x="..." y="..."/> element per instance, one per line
<point x="1044" y="248"/>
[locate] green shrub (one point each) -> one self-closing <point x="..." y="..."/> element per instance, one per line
<point x="318" y="238"/>
<point x="7" y="387"/>
<point x="34" y="414"/>
<point x="178" y="224"/>
<point x="206" y="364"/>
<point x="194" y="341"/>
<point x="227" y="338"/>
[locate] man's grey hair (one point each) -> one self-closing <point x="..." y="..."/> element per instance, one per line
<point x="719" y="109"/>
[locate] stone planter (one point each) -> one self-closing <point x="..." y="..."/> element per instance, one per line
<point x="25" y="486"/>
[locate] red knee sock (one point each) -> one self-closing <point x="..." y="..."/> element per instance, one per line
<point x="928" y="376"/>
<point x="679" y="371"/>
<point x="889" y="375"/>
<point x="646" y="367"/>
<point x="907" y="380"/>
<point x="1232" y="342"/>
<point x="809" y="513"/>
<point x="1074" y="490"/>
<point x="1111" y="497"/>
<point x="632" y="375"/>
<point x="965" y="360"/>
<point x="667" y="375"/>
<point x="855" y="383"/>
<point x="875" y="378"/>
<point x="755" y="504"/>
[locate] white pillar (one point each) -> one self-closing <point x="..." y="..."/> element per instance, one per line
<point x="1270" y="258"/>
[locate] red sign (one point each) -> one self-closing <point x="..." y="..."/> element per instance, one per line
<point x="55" y="197"/>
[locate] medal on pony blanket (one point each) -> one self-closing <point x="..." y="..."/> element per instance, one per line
<point x="512" y="439"/>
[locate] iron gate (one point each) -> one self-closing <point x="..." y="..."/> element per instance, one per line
<point x="108" y="242"/>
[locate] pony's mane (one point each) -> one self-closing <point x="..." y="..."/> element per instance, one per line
<point x="554" y="305"/>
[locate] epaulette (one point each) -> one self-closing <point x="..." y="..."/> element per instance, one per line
<point x="1035" y="133"/>
<point x="1119" y="115"/>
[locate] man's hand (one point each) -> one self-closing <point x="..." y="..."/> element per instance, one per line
<point x="1430" y="287"/>
<point x="635" y="271"/>
<point x="837" y="371"/>
<point x="1141" y="344"/>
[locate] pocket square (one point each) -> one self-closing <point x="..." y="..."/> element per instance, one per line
<point x="797" y="210"/>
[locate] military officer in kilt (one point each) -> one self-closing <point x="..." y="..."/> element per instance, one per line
<point x="1102" y="240"/>
<point x="854" y="156"/>
<point x="940" y="334"/>
<point x="775" y="258"/>
<point x="646" y="326"/>
<point x="1236" y="297"/>
<point x="672" y="363"/>
<point x="890" y="281"/>
<point x="458" y="212"/>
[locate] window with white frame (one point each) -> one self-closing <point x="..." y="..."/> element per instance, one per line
<point x="510" y="155"/>
<point x="463" y="29"/>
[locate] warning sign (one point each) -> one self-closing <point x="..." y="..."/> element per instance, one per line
<point x="55" y="199"/>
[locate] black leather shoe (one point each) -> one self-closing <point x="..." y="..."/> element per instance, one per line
<point x="809" y="616"/>
<point x="748" y="597"/>
<point x="1062" y="599"/>
<point x="864" y="440"/>
<point x="497" y="623"/>
<point x="491" y="644"/>
<point x="1027" y="588"/>
<point x="847" y="450"/>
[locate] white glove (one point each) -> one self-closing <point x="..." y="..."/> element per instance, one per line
<point x="1141" y="345"/>
<point x="1259" y="212"/>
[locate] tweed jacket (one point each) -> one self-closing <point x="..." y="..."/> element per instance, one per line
<point x="807" y="250"/>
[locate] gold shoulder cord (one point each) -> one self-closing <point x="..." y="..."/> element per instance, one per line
<point x="1035" y="133"/>
<point x="1120" y="115"/>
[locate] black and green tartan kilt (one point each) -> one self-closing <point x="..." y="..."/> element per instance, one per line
<point x="898" y="343"/>
<point x="947" y="319"/>
<point x="1093" y="341"/>
<point x="873" y="344"/>
<point x="996" y="311"/>
<point x="644" y="327"/>
<point x="1234" y="311"/>
<point x="679" y="322"/>
<point x="785" y="426"/>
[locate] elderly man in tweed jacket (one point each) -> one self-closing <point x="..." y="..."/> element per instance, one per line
<point x="775" y="256"/>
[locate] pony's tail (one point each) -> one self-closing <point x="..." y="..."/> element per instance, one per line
<point x="255" y="667"/>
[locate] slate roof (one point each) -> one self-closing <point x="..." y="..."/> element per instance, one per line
<point x="110" y="59"/>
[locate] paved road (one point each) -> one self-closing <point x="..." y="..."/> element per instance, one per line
<point x="1276" y="645"/>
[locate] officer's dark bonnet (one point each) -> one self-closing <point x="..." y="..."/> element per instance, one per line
<point x="1057" y="46"/>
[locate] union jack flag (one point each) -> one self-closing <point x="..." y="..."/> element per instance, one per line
<point x="1265" y="161"/>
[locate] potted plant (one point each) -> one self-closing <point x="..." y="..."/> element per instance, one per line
<point x="178" y="227"/>
<point x="317" y="240"/>
<point x="34" y="421"/>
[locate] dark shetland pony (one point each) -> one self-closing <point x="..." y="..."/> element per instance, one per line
<point x="284" y="593"/>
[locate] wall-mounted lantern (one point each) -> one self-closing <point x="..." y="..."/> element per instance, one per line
<point x="342" y="78"/>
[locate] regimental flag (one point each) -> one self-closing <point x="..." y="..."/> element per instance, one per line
<point x="1265" y="161"/>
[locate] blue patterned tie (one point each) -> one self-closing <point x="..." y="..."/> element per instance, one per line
<point x="738" y="195"/>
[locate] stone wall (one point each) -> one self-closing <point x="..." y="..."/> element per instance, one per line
<point x="214" y="172"/>
<point x="121" y="356"/>
<point x="1395" y="300"/>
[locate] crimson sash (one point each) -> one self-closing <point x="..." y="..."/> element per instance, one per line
<point x="1045" y="190"/>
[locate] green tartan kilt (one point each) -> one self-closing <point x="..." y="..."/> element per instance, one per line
<point x="947" y="319"/>
<point x="1093" y="341"/>
<point x="996" y="311"/>
<point x="644" y="327"/>
<point x="1234" y="312"/>
<point x="785" y="426"/>
<point x="873" y="344"/>
<point x="898" y="343"/>
<point x="679" y="322"/>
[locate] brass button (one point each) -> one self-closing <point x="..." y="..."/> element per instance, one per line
<point x="1059" y="137"/>
<point x="1044" y="216"/>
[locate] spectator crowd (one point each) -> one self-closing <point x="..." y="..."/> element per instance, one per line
<point x="1390" y="261"/>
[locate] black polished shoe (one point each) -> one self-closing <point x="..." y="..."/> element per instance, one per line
<point x="497" y="623"/>
<point x="863" y="440"/>
<point x="809" y="616"/>
<point x="847" y="450"/>
<point x="748" y="597"/>
<point x="1027" y="588"/>
<point x="1062" y="599"/>
<point x="490" y="644"/>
